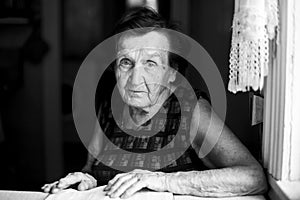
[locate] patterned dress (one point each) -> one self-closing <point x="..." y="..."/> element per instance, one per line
<point x="160" y="144"/>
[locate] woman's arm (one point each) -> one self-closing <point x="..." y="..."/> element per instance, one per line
<point x="235" y="171"/>
<point x="231" y="181"/>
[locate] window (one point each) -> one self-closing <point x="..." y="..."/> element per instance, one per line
<point x="281" y="140"/>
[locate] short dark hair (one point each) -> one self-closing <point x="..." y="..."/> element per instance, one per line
<point x="142" y="17"/>
<point x="146" y="17"/>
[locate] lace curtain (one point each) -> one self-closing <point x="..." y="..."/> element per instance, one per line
<point x="255" y="22"/>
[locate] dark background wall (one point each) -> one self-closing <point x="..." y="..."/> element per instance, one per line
<point x="40" y="142"/>
<point x="211" y="26"/>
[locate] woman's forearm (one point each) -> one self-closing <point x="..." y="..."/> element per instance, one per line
<point x="232" y="181"/>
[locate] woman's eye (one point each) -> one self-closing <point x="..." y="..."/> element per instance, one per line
<point x="126" y="63"/>
<point x="151" y="63"/>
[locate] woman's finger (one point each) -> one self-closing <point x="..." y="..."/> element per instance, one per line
<point x="44" y="186"/>
<point x="112" y="181"/>
<point x="69" y="180"/>
<point x="137" y="186"/>
<point x="83" y="185"/>
<point x="47" y="187"/>
<point x="119" y="182"/>
<point x="92" y="182"/>
<point x="55" y="190"/>
<point x="123" y="187"/>
<point x="89" y="184"/>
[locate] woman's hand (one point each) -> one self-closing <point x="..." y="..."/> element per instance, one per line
<point x="84" y="181"/>
<point x="126" y="184"/>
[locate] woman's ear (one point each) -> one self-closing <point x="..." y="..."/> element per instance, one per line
<point x="172" y="76"/>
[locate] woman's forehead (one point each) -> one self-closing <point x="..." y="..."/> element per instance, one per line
<point x="147" y="52"/>
<point x="152" y="42"/>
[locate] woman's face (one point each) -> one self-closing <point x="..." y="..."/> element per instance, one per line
<point x="142" y="68"/>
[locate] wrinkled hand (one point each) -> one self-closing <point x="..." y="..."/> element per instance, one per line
<point x="84" y="181"/>
<point x="126" y="184"/>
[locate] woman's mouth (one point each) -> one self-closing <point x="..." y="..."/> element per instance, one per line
<point x="136" y="93"/>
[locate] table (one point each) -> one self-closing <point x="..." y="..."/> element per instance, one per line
<point x="25" y="195"/>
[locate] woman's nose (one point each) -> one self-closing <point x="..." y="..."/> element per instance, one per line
<point x="137" y="74"/>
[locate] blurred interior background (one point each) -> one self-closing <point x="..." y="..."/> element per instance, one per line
<point x="43" y="43"/>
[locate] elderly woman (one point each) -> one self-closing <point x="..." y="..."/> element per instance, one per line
<point x="145" y="81"/>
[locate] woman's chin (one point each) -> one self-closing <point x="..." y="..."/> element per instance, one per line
<point x="137" y="104"/>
